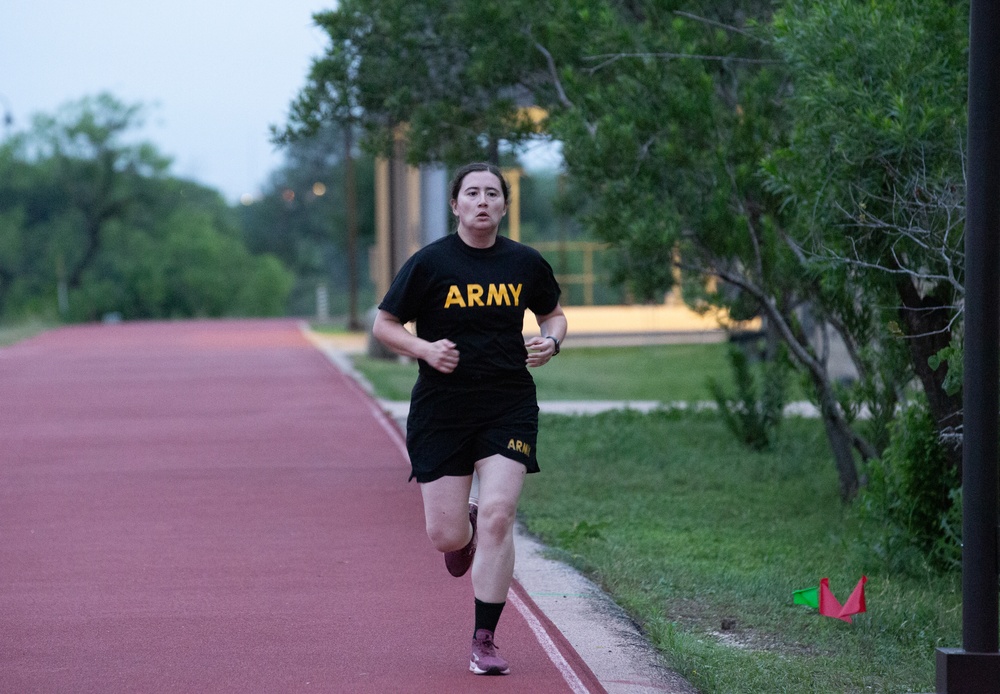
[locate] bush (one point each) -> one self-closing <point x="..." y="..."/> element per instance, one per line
<point x="911" y="506"/>
<point x="755" y="412"/>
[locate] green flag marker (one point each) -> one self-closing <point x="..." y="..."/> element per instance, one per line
<point x="806" y="596"/>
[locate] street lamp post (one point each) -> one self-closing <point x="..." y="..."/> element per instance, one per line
<point x="975" y="668"/>
<point x="351" y="198"/>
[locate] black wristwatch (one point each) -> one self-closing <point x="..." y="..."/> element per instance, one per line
<point x="556" y="340"/>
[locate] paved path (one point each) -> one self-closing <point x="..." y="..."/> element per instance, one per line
<point x="211" y="506"/>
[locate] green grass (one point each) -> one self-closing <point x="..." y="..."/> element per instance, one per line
<point x="332" y="327"/>
<point x="684" y="528"/>
<point x="9" y="334"/>
<point x="668" y="373"/>
<point x="392" y="380"/>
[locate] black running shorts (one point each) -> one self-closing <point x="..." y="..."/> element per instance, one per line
<point x="450" y="427"/>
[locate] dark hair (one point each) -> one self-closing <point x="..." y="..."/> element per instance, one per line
<point x="456" y="182"/>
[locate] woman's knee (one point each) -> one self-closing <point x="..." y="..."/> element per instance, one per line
<point x="447" y="537"/>
<point x="496" y="520"/>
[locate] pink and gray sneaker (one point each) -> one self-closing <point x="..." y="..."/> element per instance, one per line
<point x="485" y="660"/>
<point x="459" y="560"/>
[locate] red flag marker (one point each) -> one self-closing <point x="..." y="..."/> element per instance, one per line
<point x="831" y="607"/>
<point x="856" y="603"/>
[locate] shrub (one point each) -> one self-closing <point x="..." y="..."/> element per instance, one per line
<point x="755" y="412"/>
<point x="911" y="506"/>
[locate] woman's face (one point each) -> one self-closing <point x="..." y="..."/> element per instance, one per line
<point x="480" y="204"/>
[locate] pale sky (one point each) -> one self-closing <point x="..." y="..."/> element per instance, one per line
<point x="214" y="74"/>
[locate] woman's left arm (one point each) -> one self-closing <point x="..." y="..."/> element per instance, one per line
<point x="553" y="327"/>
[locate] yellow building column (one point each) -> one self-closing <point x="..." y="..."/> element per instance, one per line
<point x="379" y="261"/>
<point x="513" y="177"/>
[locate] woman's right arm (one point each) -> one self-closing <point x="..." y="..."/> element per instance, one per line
<point x="441" y="355"/>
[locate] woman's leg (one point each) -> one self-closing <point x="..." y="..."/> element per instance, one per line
<point x="446" y="512"/>
<point x="500" y="483"/>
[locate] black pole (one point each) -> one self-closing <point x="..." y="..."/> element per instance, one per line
<point x="982" y="334"/>
<point x="976" y="668"/>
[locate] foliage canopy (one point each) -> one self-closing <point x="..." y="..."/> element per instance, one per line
<point x="92" y="224"/>
<point x="808" y="155"/>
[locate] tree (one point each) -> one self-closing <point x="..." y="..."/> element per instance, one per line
<point x="666" y="111"/>
<point x="98" y="176"/>
<point x="302" y="217"/>
<point x="699" y="182"/>
<point x="453" y="74"/>
<point x="873" y="168"/>
<point x="664" y="124"/>
<point x="95" y="225"/>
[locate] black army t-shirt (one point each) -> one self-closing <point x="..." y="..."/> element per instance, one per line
<point x="475" y="297"/>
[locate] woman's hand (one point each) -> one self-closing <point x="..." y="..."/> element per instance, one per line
<point x="442" y="355"/>
<point x="543" y="347"/>
<point x="540" y="350"/>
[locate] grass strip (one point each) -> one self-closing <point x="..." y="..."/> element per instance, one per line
<point x="9" y="334"/>
<point x="703" y="542"/>
<point x="668" y="373"/>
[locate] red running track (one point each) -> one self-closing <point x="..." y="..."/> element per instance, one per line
<point x="213" y="507"/>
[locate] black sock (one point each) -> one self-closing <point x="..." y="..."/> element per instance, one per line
<point x="487" y="615"/>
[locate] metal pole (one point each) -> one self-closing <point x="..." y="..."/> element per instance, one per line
<point x="982" y="334"/>
<point x="976" y="668"/>
<point x="353" y="322"/>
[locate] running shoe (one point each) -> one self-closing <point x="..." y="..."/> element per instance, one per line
<point x="485" y="660"/>
<point x="459" y="561"/>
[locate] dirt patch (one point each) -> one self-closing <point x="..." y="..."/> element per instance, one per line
<point x="697" y="617"/>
